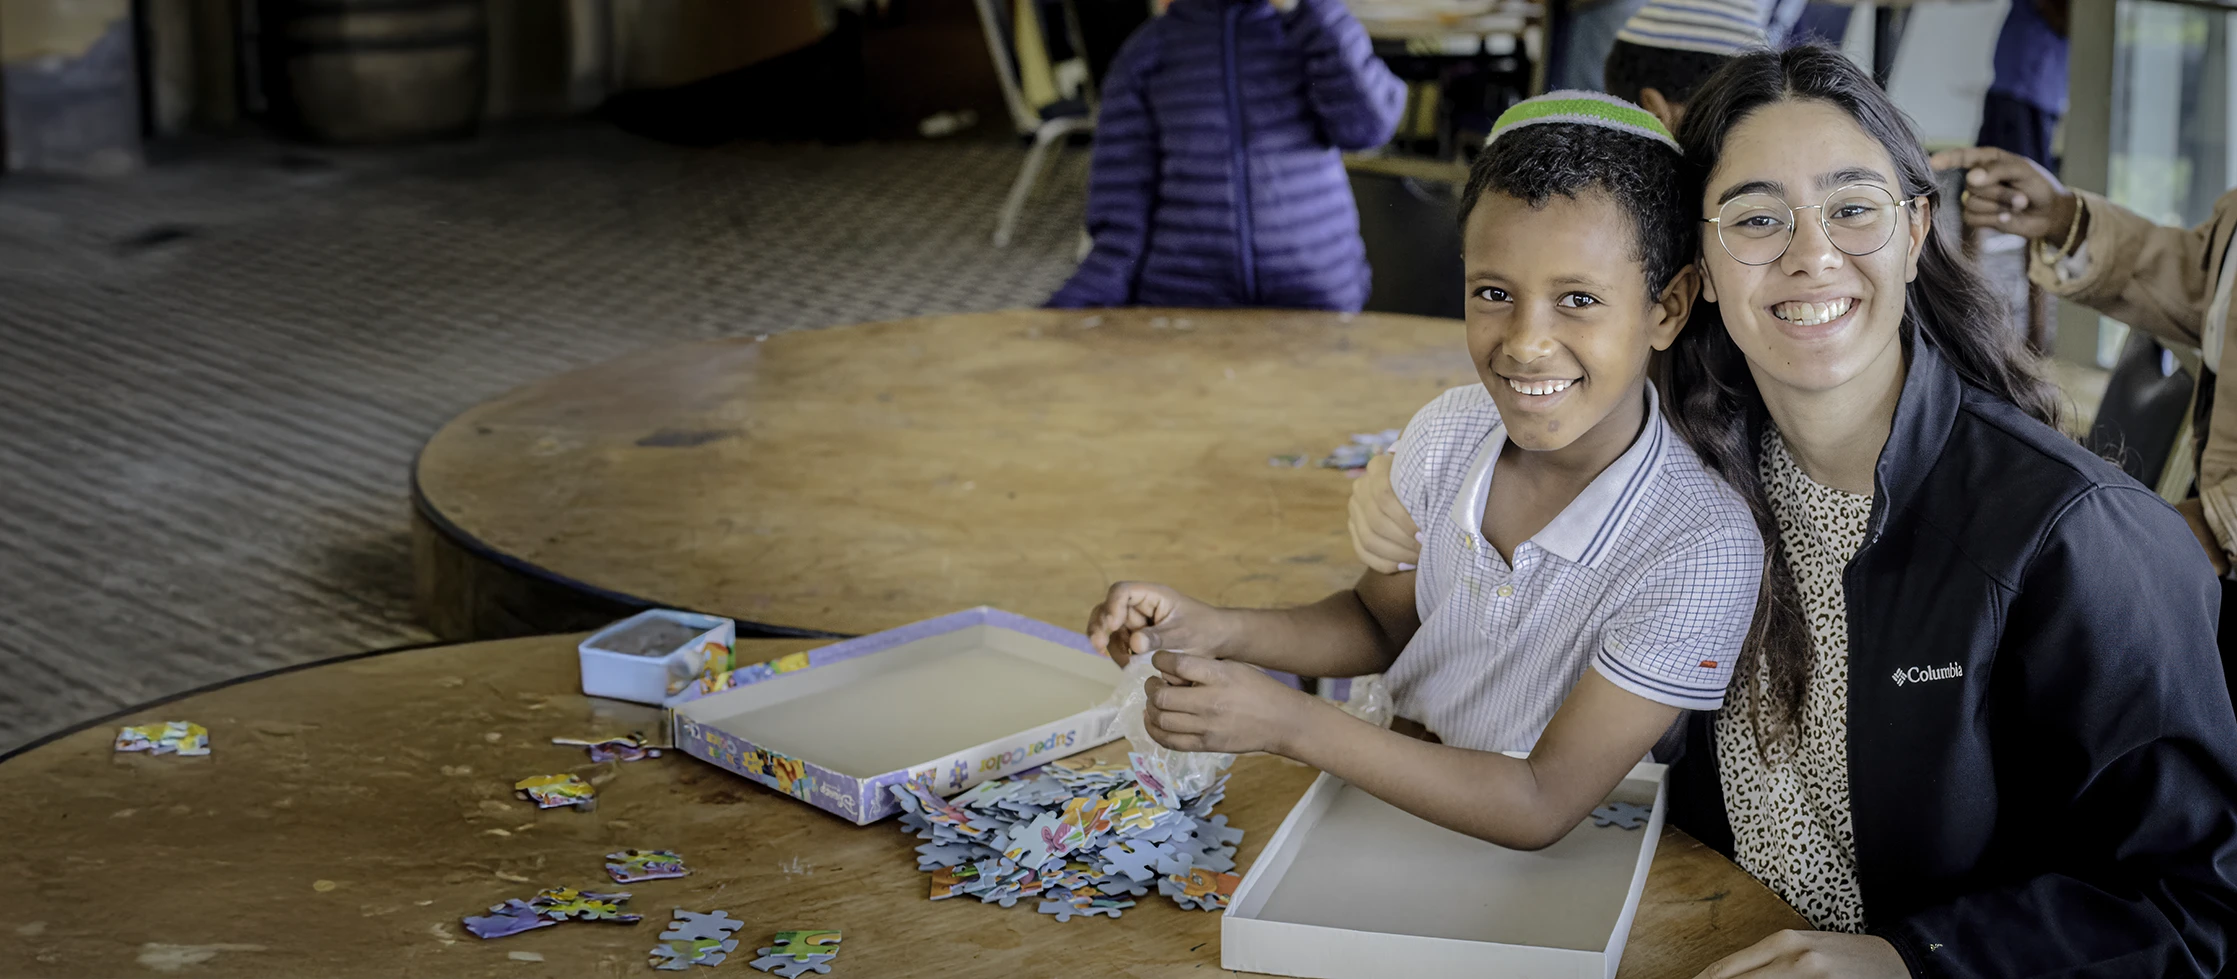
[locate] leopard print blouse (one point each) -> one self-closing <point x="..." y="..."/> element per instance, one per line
<point x="1791" y="824"/>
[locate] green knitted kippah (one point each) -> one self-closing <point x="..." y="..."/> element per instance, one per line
<point x="1584" y="108"/>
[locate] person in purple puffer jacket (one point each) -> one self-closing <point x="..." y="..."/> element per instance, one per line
<point x="1217" y="177"/>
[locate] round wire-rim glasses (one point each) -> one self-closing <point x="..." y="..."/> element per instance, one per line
<point x="1757" y="229"/>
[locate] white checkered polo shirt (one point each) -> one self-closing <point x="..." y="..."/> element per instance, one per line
<point x="1649" y="575"/>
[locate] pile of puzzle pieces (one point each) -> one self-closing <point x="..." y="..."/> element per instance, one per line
<point x="168" y="738"/>
<point x="1081" y="837"/>
<point x="549" y="907"/>
<point x="796" y="952"/>
<point x="696" y="939"/>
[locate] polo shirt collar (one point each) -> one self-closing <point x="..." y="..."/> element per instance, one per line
<point x="1584" y="530"/>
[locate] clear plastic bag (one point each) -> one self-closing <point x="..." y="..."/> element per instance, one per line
<point x="1191" y="771"/>
<point x="1366" y="698"/>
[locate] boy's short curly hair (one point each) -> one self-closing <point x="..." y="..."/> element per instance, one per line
<point x="1533" y="163"/>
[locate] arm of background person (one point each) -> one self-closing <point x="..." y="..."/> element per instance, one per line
<point x="2118" y="695"/>
<point x="1357" y="98"/>
<point x="2150" y="277"/>
<point x="1122" y="183"/>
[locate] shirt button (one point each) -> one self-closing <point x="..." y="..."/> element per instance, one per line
<point x="1506" y="591"/>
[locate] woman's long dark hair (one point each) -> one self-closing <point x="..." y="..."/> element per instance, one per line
<point x="1714" y="402"/>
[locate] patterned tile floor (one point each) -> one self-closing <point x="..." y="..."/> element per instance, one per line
<point x="214" y="374"/>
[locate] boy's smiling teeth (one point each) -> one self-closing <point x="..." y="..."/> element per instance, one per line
<point x="1540" y="387"/>
<point x="1812" y="314"/>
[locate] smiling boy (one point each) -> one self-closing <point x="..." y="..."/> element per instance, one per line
<point x="1583" y="577"/>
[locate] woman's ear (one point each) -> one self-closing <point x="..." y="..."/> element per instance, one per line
<point x="1922" y="225"/>
<point x="1674" y="306"/>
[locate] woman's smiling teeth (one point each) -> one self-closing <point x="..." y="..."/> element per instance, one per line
<point x="1812" y="314"/>
<point x="1540" y="387"/>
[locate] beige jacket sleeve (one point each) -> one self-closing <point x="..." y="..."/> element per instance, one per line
<point x="2160" y="280"/>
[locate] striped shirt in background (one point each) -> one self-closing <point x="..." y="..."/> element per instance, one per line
<point x="1725" y="27"/>
<point x="1649" y="575"/>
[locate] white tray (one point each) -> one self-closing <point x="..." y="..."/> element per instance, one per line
<point x="1351" y="887"/>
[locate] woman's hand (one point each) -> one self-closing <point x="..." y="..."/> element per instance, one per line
<point x="1201" y="704"/>
<point x="1383" y="533"/>
<point x="1812" y="954"/>
<point x="1140" y="617"/>
<point x="2010" y="193"/>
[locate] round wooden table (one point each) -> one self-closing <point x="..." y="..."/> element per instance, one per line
<point x="862" y="477"/>
<point x="351" y="812"/>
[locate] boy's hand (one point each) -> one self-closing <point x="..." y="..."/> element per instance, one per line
<point x="1201" y="704"/>
<point x="1140" y="617"/>
<point x="1383" y="533"/>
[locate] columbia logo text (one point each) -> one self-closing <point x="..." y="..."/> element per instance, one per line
<point x="1921" y="674"/>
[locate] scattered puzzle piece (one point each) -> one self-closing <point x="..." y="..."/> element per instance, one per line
<point x="803" y="943"/>
<point x="790" y="967"/>
<point x="510" y="918"/>
<point x="693" y="925"/>
<point x="628" y="747"/>
<point x="563" y="903"/>
<point x="167" y="738"/>
<point x="632" y="866"/>
<point x="1624" y="814"/>
<point x="552" y="791"/>
<point x="683" y="953"/>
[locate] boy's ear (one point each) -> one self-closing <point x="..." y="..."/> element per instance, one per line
<point x="1669" y="112"/>
<point x="1676" y="304"/>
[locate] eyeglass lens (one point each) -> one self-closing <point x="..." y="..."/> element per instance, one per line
<point x="1757" y="228"/>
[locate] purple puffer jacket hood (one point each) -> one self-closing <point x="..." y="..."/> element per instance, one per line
<point x="1218" y="178"/>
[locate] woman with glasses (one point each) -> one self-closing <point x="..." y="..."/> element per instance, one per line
<point x="1979" y="727"/>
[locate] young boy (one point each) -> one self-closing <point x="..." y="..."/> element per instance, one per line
<point x="1217" y="179"/>
<point x="1566" y="524"/>
<point x="1669" y="47"/>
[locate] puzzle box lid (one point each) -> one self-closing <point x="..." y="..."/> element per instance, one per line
<point x="1351" y="886"/>
<point x="957" y="700"/>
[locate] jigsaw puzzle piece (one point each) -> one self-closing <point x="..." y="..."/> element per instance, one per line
<point x="948" y="882"/>
<point x="1172" y="860"/>
<point x="1216" y="828"/>
<point x="803" y="943"/>
<point x="936" y="855"/>
<point x="1036" y="843"/>
<point x="510" y="918"/>
<point x="692" y="925"/>
<point x="562" y="903"/>
<point x="1062" y="910"/>
<point x="633" y="866"/>
<point x="1624" y="814"/>
<point x="1121" y="884"/>
<point x="790" y="967"/>
<point x="681" y="954"/>
<point x="1135" y="860"/>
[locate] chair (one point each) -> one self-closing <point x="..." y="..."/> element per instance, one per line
<point x="2143" y="425"/>
<point x="1048" y="124"/>
<point x="1412" y="231"/>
